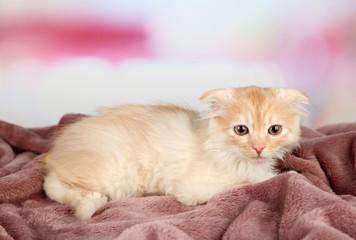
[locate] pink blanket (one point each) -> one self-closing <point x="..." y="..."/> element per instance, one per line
<point x="317" y="203"/>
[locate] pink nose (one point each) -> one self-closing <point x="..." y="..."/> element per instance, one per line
<point x="258" y="149"/>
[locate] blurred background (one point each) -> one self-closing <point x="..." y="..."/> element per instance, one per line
<point x="60" y="56"/>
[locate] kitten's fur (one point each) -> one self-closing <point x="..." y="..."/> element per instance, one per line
<point x="135" y="150"/>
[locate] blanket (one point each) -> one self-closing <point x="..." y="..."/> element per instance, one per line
<point x="317" y="202"/>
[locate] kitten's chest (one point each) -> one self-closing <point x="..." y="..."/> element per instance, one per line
<point x="252" y="172"/>
<point x="234" y="171"/>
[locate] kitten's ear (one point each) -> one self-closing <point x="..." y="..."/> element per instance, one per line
<point x="297" y="100"/>
<point x="217" y="101"/>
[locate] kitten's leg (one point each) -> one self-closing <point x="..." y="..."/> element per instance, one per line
<point x="125" y="190"/>
<point x="88" y="204"/>
<point x="268" y="174"/>
<point x="85" y="202"/>
<point x="195" y="193"/>
<point x="190" y="200"/>
<point x="201" y="189"/>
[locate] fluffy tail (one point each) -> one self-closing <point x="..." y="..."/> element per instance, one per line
<point x="85" y="202"/>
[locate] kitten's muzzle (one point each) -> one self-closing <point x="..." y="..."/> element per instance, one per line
<point x="258" y="149"/>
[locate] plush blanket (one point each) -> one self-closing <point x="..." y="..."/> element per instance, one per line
<point x="318" y="202"/>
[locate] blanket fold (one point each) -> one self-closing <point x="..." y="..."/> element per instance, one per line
<point x="318" y="202"/>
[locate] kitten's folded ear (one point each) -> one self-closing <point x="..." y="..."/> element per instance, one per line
<point x="297" y="100"/>
<point x="217" y="101"/>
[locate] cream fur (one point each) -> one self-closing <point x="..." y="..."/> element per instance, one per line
<point x="135" y="150"/>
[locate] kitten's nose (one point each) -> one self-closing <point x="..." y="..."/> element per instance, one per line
<point x="258" y="149"/>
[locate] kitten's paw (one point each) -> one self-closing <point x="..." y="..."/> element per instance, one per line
<point x="88" y="205"/>
<point x="192" y="201"/>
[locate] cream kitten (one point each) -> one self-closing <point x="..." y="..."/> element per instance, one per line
<point x="136" y="150"/>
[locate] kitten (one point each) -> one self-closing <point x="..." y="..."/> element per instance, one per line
<point x="136" y="150"/>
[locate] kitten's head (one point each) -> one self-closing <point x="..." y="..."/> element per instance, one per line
<point x="258" y="123"/>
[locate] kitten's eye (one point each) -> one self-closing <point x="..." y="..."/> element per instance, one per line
<point x="275" y="129"/>
<point x="241" y="130"/>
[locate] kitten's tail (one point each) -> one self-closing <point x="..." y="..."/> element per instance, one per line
<point x="85" y="202"/>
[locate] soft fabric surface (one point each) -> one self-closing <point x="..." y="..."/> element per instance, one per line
<point x="319" y="202"/>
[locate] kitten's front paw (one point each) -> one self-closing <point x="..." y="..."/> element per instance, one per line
<point x="192" y="201"/>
